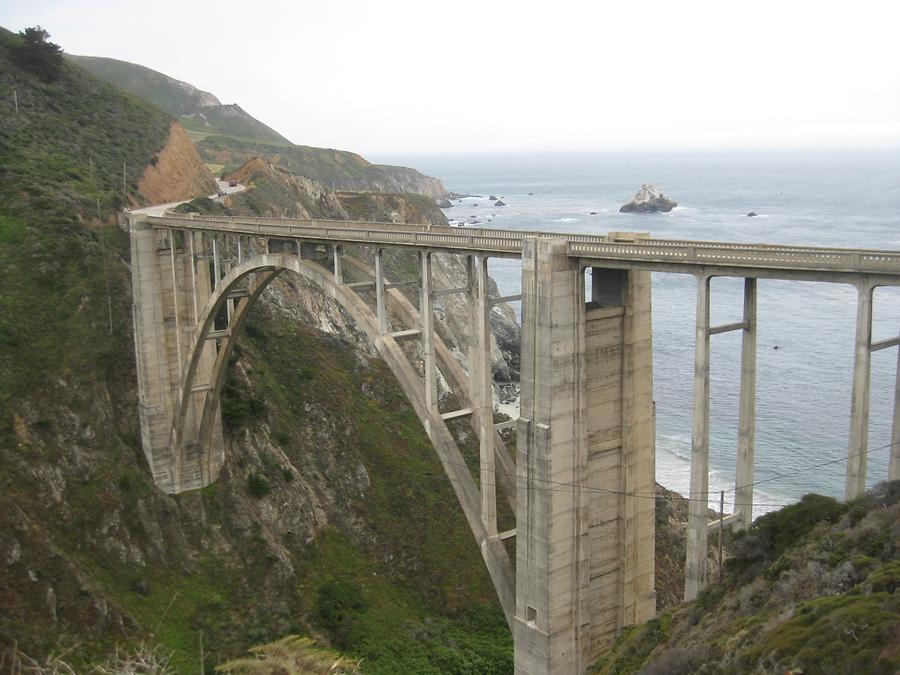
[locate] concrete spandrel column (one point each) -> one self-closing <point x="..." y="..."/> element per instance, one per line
<point x="426" y="314"/>
<point x="486" y="400"/>
<point x="338" y="264"/>
<point x="189" y="236"/>
<point x="894" y="457"/>
<point x="472" y="321"/>
<point x="743" y="493"/>
<point x="217" y="274"/>
<point x="695" y="565"/>
<point x="857" y="445"/>
<point x="175" y="292"/>
<point x="380" y="307"/>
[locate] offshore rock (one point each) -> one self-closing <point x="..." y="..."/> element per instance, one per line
<point x="499" y="203"/>
<point x="649" y="200"/>
<point x="445" y="204"/>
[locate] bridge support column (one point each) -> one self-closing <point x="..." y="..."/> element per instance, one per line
<point x="857" y="447"/>
<point x="584" y="545"/>
<point x="426" y="317"/>
<point x="743" y="480"/>
<point x="894" y="462"/>
<point x="485" y="400"/>
<point x="380" y="306"/>
<point x="338" y="252"/>
<point x="695" y="565"/>
<point x="472" y="320"/>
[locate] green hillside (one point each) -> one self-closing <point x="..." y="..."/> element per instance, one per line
<point x="226" y="135"/>
<point x="332" y="516"/>
<point x="812" y="588"/>
<point x="197" y="110"/>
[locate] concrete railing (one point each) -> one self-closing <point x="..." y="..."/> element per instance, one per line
<point x="509" y="243"/>
<point x="743" y="255"/>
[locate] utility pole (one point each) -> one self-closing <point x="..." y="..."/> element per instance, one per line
<point x="105" y="270"/>
<point x="124" y="188"/>
<point x="91" y="165"/>
<point x="721" y="528"/>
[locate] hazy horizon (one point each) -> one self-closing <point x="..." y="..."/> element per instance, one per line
<point x="400" y="78"/>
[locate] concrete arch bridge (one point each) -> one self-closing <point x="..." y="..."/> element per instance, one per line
<point x="582" y="480"/>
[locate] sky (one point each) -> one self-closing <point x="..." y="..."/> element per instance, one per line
<point x="402" y="77"/>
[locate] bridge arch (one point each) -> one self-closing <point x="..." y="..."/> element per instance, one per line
<point x="243" y="285"/>
<point x="584" y="547"/>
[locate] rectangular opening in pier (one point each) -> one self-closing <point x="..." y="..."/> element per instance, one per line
<point x="607" y="287"/>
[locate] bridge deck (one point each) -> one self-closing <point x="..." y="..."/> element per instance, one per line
<point x="668" y="255"/>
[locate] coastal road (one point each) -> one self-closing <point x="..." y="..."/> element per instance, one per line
<point x="160" y="209"/>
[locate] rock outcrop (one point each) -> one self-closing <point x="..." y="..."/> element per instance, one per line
<point x="648" y="200"/>
<point x="178" y="172"/>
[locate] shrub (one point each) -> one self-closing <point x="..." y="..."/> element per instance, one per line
<point x="338" y="606"/>
<point x="774" y="532"/>
<point x="258" y="485"/>
<point x="678" y="661"/>
<point x="35" y="54"/>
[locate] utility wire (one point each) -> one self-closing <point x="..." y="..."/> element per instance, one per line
<point x="564" y="486"/>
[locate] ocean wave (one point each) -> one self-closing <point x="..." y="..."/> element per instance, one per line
<point x="566" y="219"/>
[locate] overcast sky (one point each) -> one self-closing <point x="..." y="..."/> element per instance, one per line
<point x="404" y="77"/>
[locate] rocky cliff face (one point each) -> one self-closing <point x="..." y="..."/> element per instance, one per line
<point x="404" y="179"/>
<point x="274" y="192"/>
<point x="178" y="173"/>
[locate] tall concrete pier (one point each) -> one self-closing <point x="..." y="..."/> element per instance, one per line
<point x="582" y="483"/>
<point x="584" y="552"/>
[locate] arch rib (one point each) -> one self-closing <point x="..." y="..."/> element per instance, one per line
<point x="271" y="265"/>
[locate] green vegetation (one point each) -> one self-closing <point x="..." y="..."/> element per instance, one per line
<point x="64" y="306"/>
<point x="228" y="136"/>
<point x="338" y="168"/>
<point x="811" y="588"/>
<point x="386" y="613"/>
<point x="292" y="655"/>
<point x="849" y="634"/>
<point x="34" y="53"/>
<point x="771" y="534"/>
<point x="63" y="152"/>
<point x="196" y="110"/>
<point x="95" y="557"/>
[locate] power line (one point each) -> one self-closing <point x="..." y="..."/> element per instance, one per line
<point x="566" y="486"/>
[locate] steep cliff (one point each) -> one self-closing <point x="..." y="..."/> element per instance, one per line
<point x="198" y="110"/>
<point x="176" y="173"/>
<point x="330" y="491"/>
<point x="339" y="169"/>
<point x="275" y="192"/>
<point x="229" y="136"/>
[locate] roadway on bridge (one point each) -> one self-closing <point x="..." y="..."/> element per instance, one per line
<point x="160" y="209"/>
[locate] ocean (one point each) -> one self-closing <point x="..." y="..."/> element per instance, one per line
<point x="826" y="198"/>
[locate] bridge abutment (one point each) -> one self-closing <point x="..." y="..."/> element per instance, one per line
<point x="169" y="291"/>
<point x="586" y="454"/>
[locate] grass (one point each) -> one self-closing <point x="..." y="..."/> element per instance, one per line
<point x="435" y="572"/>
<point x="66" y="146"/>
<point x="846" y="634"/>
<point x="169" y="95"/>
<point x="125" y="562"/>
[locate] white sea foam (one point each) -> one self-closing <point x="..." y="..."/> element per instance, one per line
<point x="566" y="219"/>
